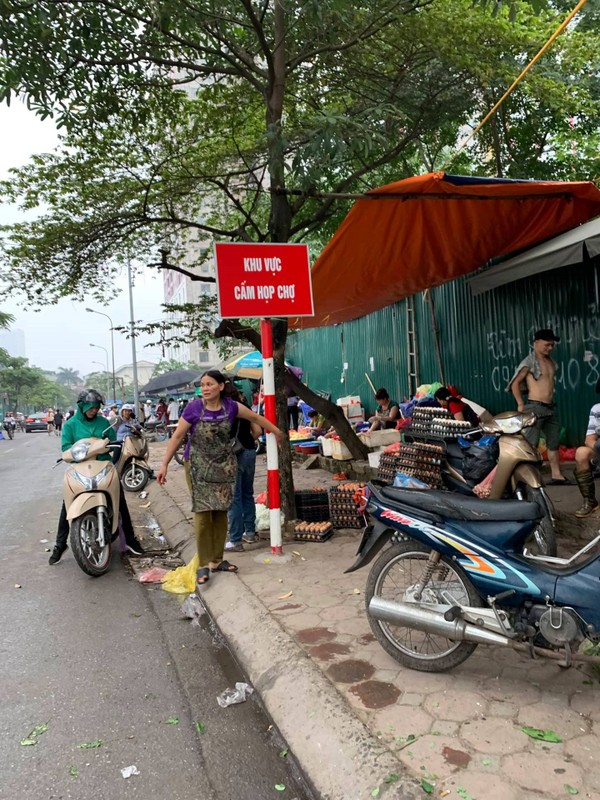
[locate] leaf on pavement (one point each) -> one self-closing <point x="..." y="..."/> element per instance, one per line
<point x="543" y="735"/>
<point x="200" y="727"/>
<point x="172" y="721"/>
<point x="32" y="738"/>
<point x="392" y="778"/>
<point x="28" y="742"/>
<point x="91" y="745"/>
<point x="73" y="772"/>
<point x="283" y="752"/>
<point x="280" y="787"/>
<point x="571" y="789"/>
<point x="375" y="792"/>
<point x="463" y="793"/>
<point x="426" y="786"/>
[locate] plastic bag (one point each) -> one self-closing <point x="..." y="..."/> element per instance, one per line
<point x="232" y="696"/>
<point x="261" y="499"/>
<point x="479" y="459"/>
<point x="183" y="579"/>
<point x="153" y="575"/>
<point x="193" y="609"/>
<point x="263" y="518"/>
<point x="403" y="481"/>
<point x="484" y="488"/>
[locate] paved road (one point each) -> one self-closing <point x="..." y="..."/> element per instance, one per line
<point x="107" y="659"/>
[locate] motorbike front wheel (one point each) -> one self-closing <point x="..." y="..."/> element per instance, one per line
<point x="394" y="576"/>
<point x="134" y="478"/>
<point x="179" y="454"/>
<point x="93" y="559"/>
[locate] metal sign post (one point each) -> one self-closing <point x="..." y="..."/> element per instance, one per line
<point x="265" y="280"/>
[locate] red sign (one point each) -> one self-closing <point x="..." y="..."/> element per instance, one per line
<point x="263" y="280"/>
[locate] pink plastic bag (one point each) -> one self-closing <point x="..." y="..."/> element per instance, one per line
<point x="484" y="488"/>
<point x="154" y="575"/>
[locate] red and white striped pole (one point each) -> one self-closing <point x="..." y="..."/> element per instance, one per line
<point x="266" y="333"/>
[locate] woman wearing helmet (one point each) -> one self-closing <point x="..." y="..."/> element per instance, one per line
<point x="84" y="424"/>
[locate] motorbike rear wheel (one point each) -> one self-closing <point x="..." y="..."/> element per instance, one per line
<point x="91" y="558"/>
<point x="393" y="577"/>
<point x="178" y="456"/>
<point x="542" y="542"/>
<point x="134" y="477"/>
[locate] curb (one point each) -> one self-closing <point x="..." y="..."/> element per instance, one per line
<point x="339" y="755"/>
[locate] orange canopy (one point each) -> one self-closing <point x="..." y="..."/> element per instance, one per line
<point x="423" y="231"/>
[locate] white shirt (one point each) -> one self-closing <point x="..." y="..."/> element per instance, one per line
<point x="173" y="409"/>
<point x="594" y="420"/>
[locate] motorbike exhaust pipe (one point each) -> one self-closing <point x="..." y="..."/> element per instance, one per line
<point x="423" y="619"/>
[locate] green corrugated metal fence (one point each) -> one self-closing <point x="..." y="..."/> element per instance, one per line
<point x="482" y="339"/>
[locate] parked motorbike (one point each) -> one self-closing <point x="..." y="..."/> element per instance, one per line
<point x="517" y="476"/>
<point x="456" y="574"/>
<point x="91" y="495"/>
<point x="132" y="465"/>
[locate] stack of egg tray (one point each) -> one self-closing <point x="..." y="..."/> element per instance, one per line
<point x="312" y="505"/>
<point x="343" y="507"/>
<point x="423" y="416"/>
<point x="419" y="460"/>
<point x="313" y="531"/>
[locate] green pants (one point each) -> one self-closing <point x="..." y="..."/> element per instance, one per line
<point x="211" y="532"/>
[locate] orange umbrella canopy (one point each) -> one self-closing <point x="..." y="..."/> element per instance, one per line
<point x="423" y="231"/>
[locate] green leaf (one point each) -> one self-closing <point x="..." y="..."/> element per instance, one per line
<point x="463" y="793"/>
<point x="280" y="787"/>
<point x="486" y="762"/>
<point x="91" y="745"/>
<point x="172" y="721"/>
<point x="283" y="753"/>
<point x="28" y="742"/>
<point x="73" y="772"/>
<point x="392" y="778"/>
<point x="375" y="792"/>
<point x="571" y="789"/>
<point x="31" y="740"/>
<point x="200" y="727"/>
<point x="427" y="787"/>
<point x="541" y="734"/>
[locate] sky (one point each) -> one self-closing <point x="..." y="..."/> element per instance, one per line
<point x="60" y="335"/>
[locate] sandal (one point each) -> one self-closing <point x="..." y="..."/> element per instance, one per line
<point x="225" y="566"/>
<point x="202" y="575"/>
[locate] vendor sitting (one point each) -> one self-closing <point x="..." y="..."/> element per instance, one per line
<point x="458" y="408"/>
<point x="318" y="425"/>
<point x="387" y="412"/>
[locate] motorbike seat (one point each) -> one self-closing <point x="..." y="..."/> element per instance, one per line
<point x="461" y="507"/>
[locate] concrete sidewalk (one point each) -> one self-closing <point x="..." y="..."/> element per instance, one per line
<point x="353" y="717"/>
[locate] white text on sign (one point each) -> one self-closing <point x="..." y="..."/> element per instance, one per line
<point x="262" y="264"/>
<point x="284" y="292"/>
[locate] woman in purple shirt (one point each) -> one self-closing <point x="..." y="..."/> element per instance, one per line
<point x="213" y="466"/>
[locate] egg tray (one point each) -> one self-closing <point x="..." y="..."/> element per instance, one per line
<point x="313" y="532"/>
<point x="428" y="471"/>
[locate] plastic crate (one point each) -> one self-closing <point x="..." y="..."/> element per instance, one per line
<point x="312" y="506"/>
<point x="311" y="535"/>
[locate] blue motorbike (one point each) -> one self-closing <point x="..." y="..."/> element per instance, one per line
<point x="458" y="573"/>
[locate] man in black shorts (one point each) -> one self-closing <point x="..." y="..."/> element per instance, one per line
<point x="58" y="421"/>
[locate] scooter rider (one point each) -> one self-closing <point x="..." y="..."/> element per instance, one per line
<point x="126" y="426"/>
<point x="87" y="423"/>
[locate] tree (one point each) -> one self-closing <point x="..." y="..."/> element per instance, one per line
<point x="68" y="377"/>
<point x="290" y="101"/>
<point x="25" y="385"/>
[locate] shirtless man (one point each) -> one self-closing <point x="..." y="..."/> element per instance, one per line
<point x="535" y="376"/>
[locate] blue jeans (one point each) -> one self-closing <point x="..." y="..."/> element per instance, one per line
<point x="241" y="516"/>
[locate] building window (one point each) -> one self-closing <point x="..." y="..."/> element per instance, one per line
<point x="203" y="356"/>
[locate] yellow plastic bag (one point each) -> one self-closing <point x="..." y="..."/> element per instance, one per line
<point x="183" y="579"/>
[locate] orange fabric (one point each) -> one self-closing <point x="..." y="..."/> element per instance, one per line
<point x="431" y="232"/>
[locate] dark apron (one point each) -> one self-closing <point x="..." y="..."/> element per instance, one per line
<point x="213" y="466"/>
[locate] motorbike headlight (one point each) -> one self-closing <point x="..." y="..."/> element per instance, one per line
<point x="91" y="483"/>
<point x="510" y="424"/>
<point x="80" y="450"/>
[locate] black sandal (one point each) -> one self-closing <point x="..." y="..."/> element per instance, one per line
<point x="225" y="566"/>
<point x="202" y="575"/>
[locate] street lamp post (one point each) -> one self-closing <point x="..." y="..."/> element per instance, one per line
<point x="99" y="346"/>
<point x="112" y="349"/>
<point x="136" y="390"/>
<point x="107" y="375"/>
